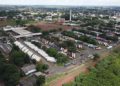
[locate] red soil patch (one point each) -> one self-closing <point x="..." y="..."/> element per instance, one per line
<point x="50" y="26"/>
<point x="70" y="77"/>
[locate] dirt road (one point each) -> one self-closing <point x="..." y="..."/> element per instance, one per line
<point x="70" y="75"/>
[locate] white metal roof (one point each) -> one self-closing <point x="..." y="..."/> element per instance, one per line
<point x="12" y="28"/>
<point x="21" y="31"/>
<point x="29" y="69"/>
<point x="27" y="35"/>
<point x="27" y="51"/>
<point x="30" y="53"/>
<point x="24" y="48"/>
<point x="37" y="58"/>
<point x="41" y="52"/>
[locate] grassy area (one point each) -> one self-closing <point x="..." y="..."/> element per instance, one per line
<point x="81" y="49"/>
<point x="52" y="78"/>
<point x="31" y="22"/>
<point x="7" y="22"/>
<point x="12" y="22"/>
<point x="56" y="77"/>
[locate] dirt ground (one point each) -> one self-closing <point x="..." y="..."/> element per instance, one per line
<point x="50" y="26"/>
<point x="70" y="76"/>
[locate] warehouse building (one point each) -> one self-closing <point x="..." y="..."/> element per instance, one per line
<point x="29" y="69"/>
<point x="21" y="32"/>
<point x="27" y="51"/>
<point x="41" y="52"/>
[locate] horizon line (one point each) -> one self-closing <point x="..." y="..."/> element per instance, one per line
<point x="60" y="5"/>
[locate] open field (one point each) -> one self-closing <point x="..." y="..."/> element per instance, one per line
<point x="67" y="76"/>
<point x="50" y="26"/>
<point x="7" y="22"/>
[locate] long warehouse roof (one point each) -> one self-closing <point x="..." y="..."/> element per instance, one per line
<point x="41" y="52"/>
<point x="27" y="51"/>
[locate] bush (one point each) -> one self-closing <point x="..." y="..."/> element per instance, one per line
<point x="19" y="58"/>
<point x="40" y="80"/>
<point x="41" y="67"/>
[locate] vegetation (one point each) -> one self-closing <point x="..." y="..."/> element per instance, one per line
<point x="52" y="52"/>
<point x="81" y="38"/>
<point x="88" y="40"/>
<point x="34" y="29"/>
<point x="61" y="58"/>
<point x="105" y="73"/>
<point x="91" y="21"/>
<point x="18" y="58"/>
<point x="70" y="45"/>
<point x="21" y="22"/>
<point x="112" y="38"/>
<point x="9" y="73"/>
<point x="66" y="16"/>
<point x="41" y="67"/>
<point x="7" y="22"/>
<point x="45" y="33"/>
<point x="86" y="31"/>
<point x="9" y="14"/>
<point x="2" y="33"/>
<point x="37" y="44"/>
<point x="40" y="80"/>
<point x="96" y="56"/>
<point x="69" y="33"/>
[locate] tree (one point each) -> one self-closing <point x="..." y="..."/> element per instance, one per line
<point x="41" y="67"/>
<point x="61" y="58"/>
<point x="88" y="40"/>
<point x="15" y="48"/>
<point x="96" y="56"/>
<point x="19" y="58"/>
<point x="2" y="59"/>
<point x="34" y="29"/>
<point x="70" y="45"/>
<point x="40" y="80"/>
<point x="66" y="16"/>
<point x="45" y="33"/>
<point x="21" y="22"/>
<point x="52" y="52"/>
<point x="37" y="44"/>
<point x="9" y="74"/>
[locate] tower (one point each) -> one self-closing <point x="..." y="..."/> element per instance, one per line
<point x="70" y="15"/>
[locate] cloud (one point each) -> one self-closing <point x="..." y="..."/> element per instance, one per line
<point x="61" y="2"/>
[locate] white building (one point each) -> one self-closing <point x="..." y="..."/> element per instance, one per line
<point x="27" y="51"/>
<point x="29" y="69"/>
<point x="40" y="51"/>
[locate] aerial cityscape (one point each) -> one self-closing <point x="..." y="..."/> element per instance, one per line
<point x="59" y="44"/>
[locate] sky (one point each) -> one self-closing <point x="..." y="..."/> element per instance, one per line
<point x="62" y="2"/>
